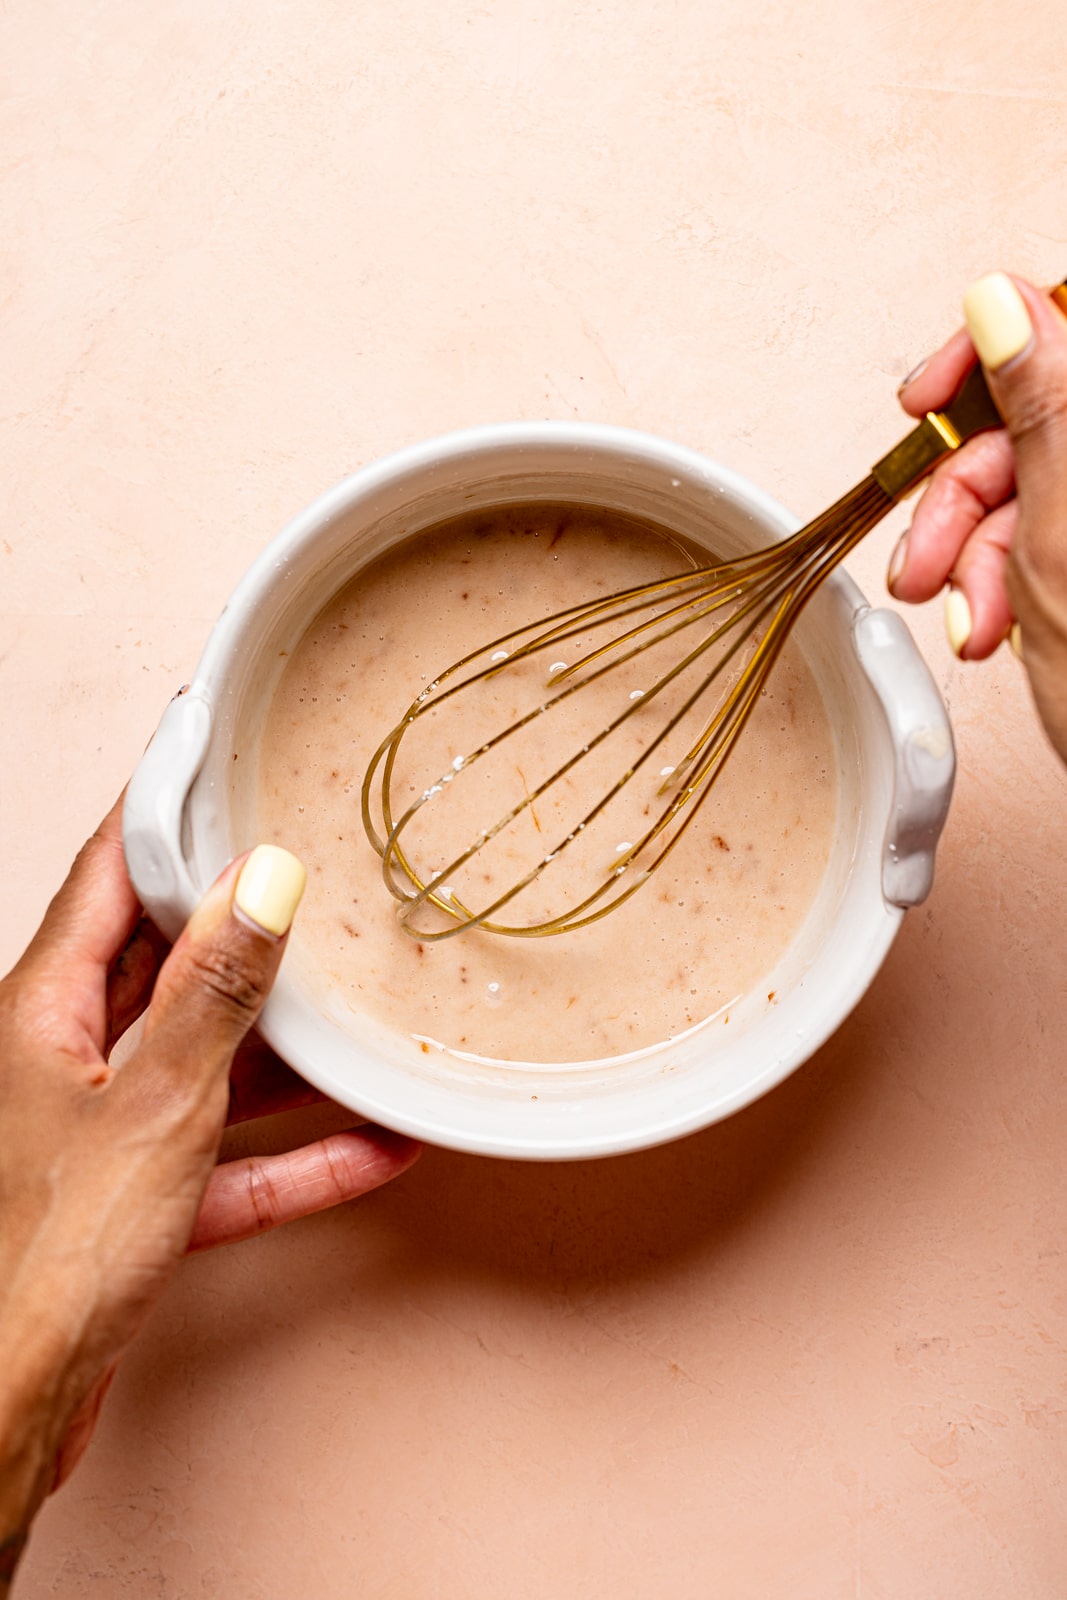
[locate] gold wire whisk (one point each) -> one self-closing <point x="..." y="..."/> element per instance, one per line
<point x="753" y="600"/>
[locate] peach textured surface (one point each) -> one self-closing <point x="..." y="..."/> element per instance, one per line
<point x="819" y="1351"/>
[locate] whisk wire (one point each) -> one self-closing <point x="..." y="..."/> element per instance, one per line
<point x="393" y="852"/>
<point x="777" y="595"/>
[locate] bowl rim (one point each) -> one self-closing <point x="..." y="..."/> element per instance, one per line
<point x="603" y="441"/>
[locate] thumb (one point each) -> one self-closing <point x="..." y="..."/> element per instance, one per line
<point x="1021" y="339"/>
<point x="214" y="983"/>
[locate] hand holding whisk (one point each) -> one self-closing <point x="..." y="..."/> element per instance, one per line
<point x="675" y="665"/>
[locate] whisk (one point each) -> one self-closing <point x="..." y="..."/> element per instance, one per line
<point x="718" y="629"/>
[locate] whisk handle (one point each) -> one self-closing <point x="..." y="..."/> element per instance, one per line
<point x="971" y="411"/>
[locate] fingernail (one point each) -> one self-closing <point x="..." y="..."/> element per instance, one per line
<point x="897" y="562"/>
<point x="1015" y="639"/>
<point x="269" y="888"/>
<point x="957" y="619"/>
<point x="997" y="320"/>
<point x="916" y="372"/>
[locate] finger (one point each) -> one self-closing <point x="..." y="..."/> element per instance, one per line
<point x="935" y="381"/>
<point x="1022" y="338"/>
<point x="130" y="981"/>
<point x="87" y="925"/>
<point x="248" y="1197"/>
<point x="96" y="909"/>
<point x="979" y="577"/>
<point x="261" y="1084"/>
<point x="213" y="985"/>
<point x="962" y="491"/>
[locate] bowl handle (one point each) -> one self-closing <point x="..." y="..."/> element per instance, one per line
<point x="153" y="811"/>
<point x="924" y="752"/>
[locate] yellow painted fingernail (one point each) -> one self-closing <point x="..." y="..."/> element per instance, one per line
<point x="957" y="619"/>
<point x="270" y="887"/>
<point x="897" y="562"/>
<point x="1015" y="638"/>
<point x="997" y="319"/>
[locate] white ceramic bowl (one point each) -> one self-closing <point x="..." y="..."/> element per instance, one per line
<point x="190" y="807"/>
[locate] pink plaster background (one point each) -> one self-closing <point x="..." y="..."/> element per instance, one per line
<point x="818" y="1352"/>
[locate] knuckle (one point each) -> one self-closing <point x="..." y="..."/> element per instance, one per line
<point x="263" y="1200"/>
<point x="223" y="974"/>
<point x="1039" y="411"/>
<point x="33" y="1010"/>
<point x="339" y="1170"/>
<point x="98" y="844"/>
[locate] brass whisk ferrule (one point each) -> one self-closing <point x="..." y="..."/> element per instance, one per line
<point x="941" y="432"/>
<point x="937" y="435"/>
